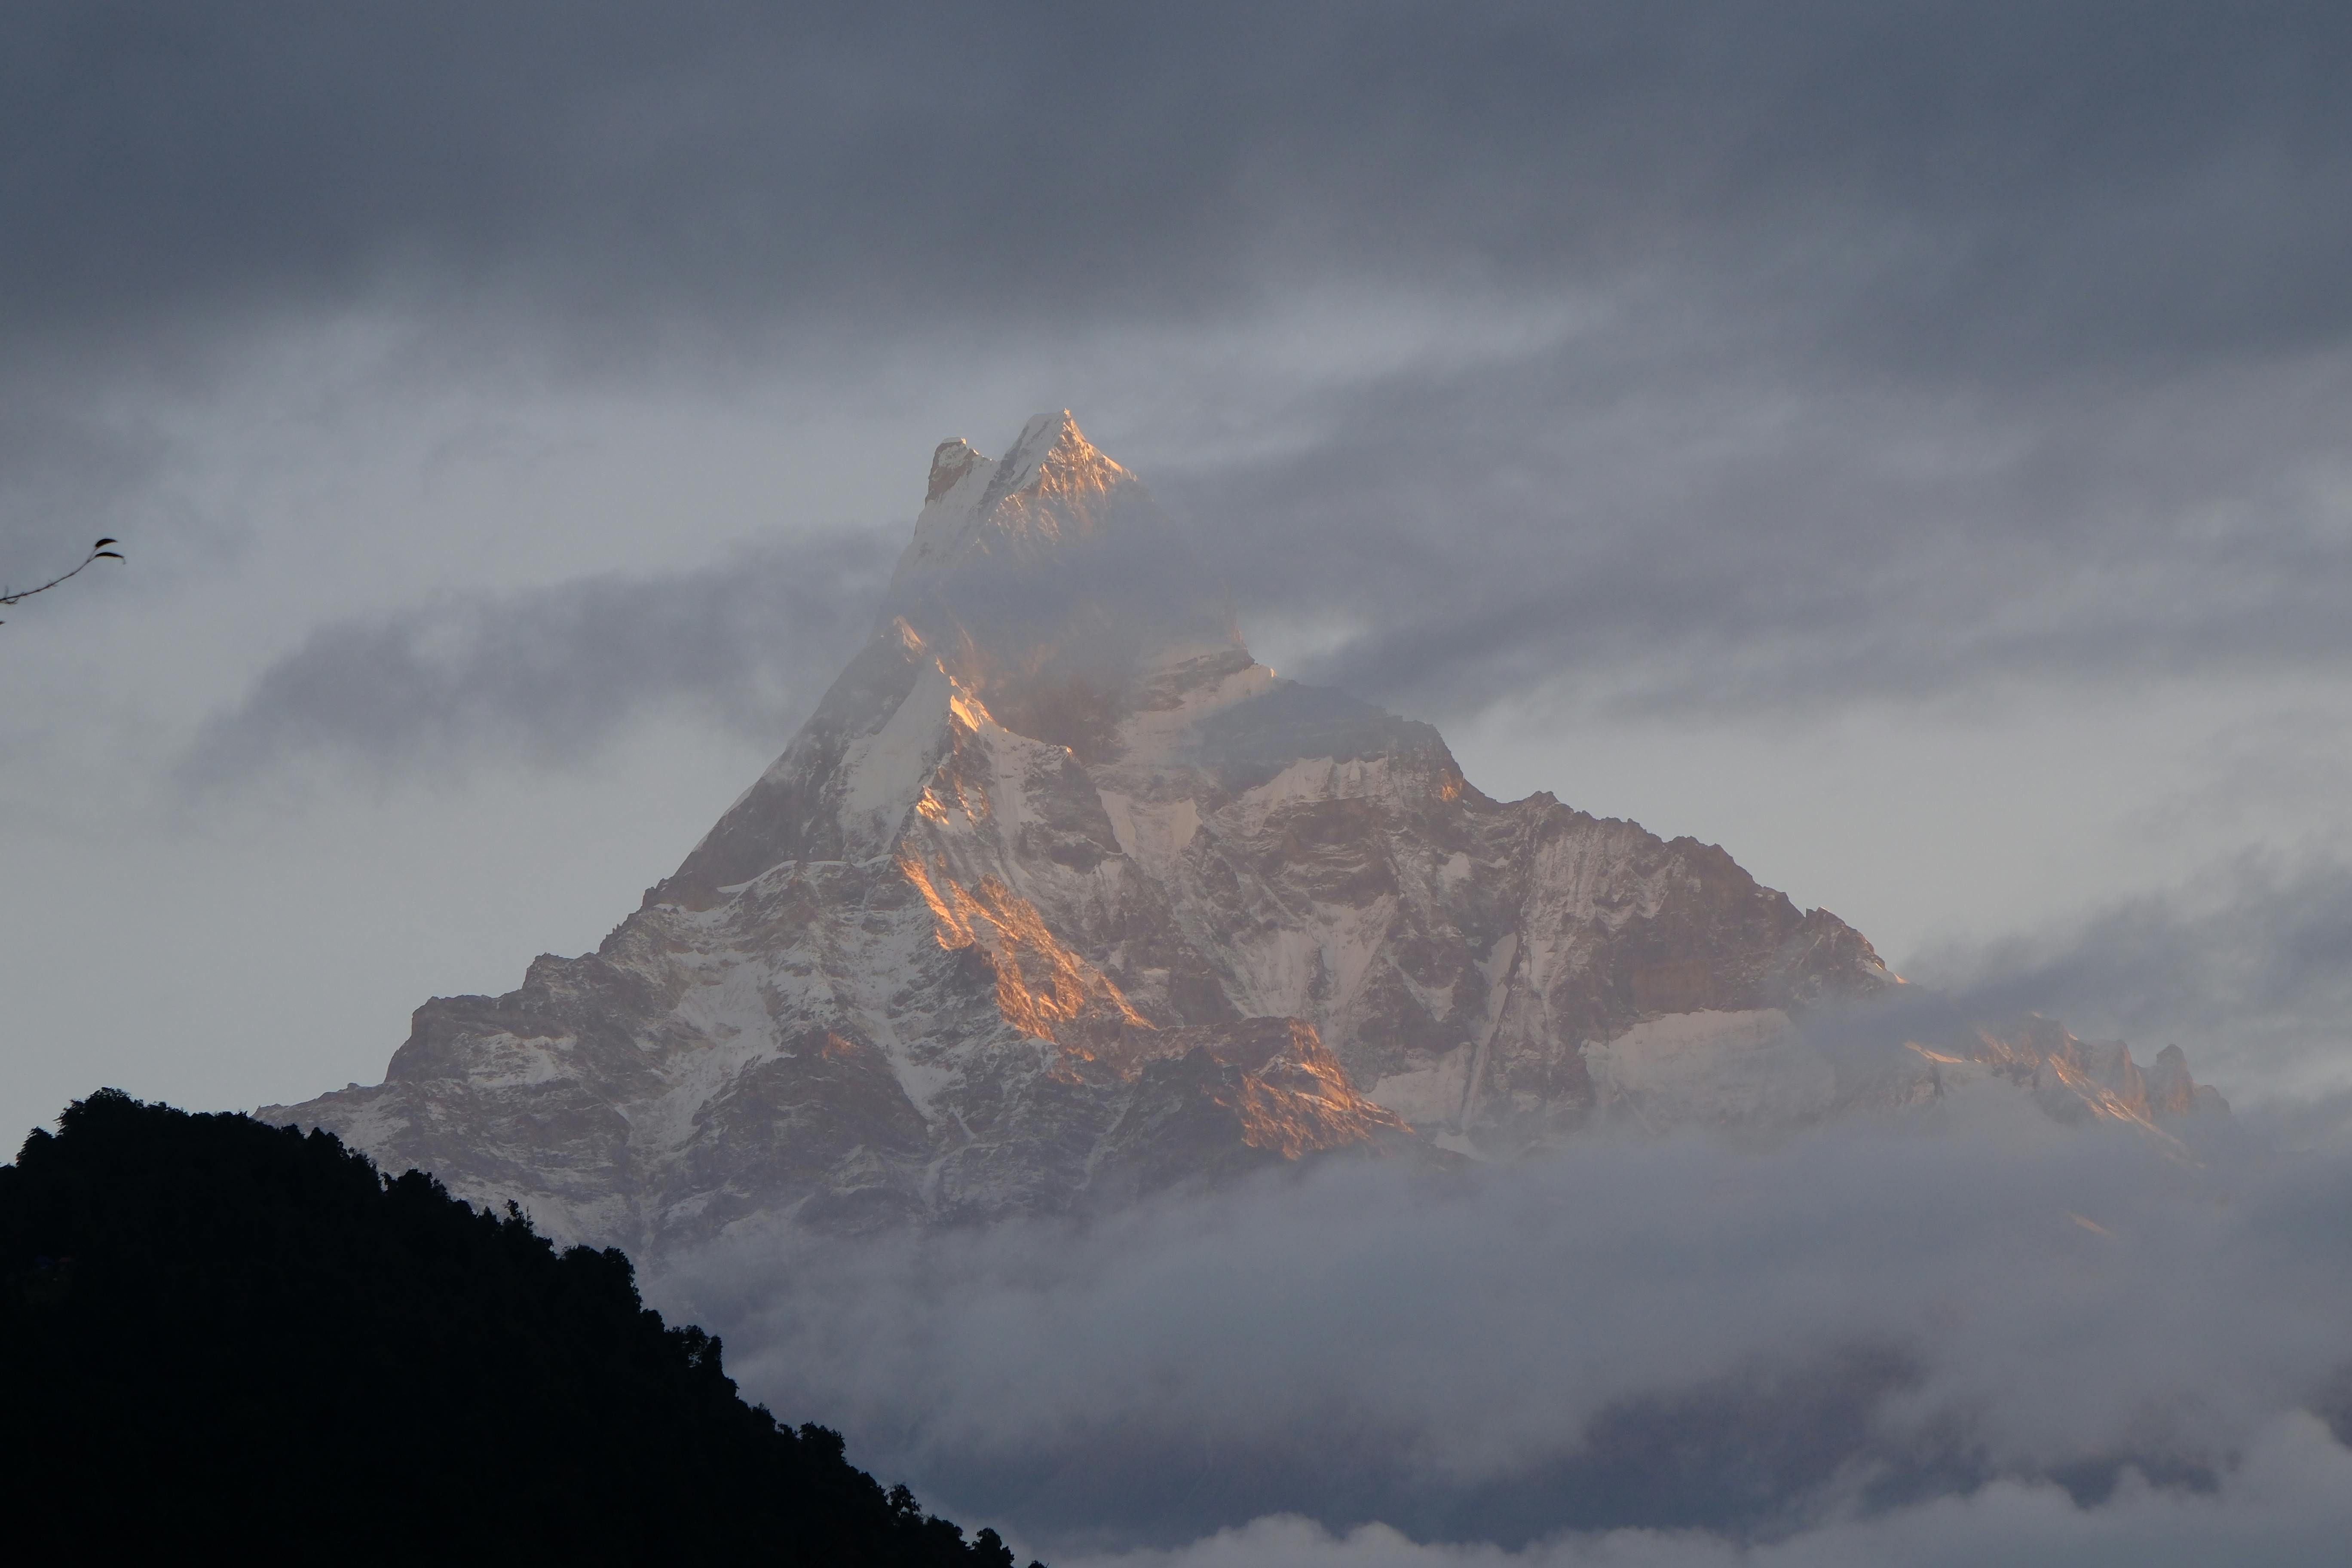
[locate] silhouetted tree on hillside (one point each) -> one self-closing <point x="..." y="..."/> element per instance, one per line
<point x="219" y="1334"/>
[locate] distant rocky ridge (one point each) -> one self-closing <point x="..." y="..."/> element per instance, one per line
<point x="2084" y="1081"/>
<point x="1061" y="898"/>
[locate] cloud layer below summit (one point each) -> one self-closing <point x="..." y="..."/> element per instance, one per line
<point x="1985" y="1326"/>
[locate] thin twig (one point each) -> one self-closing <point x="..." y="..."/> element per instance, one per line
<point x="98" y="552"/>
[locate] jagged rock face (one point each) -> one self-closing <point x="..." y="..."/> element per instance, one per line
<point x="1060" y="898"/>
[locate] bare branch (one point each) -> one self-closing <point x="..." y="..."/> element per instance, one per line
<point x="98" y="552"/>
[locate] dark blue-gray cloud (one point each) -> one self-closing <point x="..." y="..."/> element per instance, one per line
<point x="2006" y="185"/>
<point x="1928" y="345"/>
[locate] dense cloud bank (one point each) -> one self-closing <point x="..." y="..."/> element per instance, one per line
<point x="1683" y="1335"/>
<point x="2081" y="175"/>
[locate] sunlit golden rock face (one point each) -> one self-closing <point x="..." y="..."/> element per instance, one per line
<point x="1056" y="495"/>
<point x="1210" y="1101"/>
<point x="1060" y="898"/>
<point x="1290" y="1095"/>
<point x="1043" y="989"/>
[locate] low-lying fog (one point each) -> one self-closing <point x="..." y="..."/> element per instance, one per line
<point x="1954" y="1336"/>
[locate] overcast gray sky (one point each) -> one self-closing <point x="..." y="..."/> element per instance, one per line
<point x="1907" y="445"/>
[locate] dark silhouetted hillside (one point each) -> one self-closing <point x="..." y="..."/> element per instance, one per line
<point x="222" y="1333"/>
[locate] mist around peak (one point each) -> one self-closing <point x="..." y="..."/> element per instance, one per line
<point x="1052" y="579"/>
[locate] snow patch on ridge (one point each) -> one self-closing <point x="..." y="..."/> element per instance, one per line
<point x="1315" y="779"/>
<point x="1159" y="736"/>
<point x="1712" y="1068"/>
<point x="883" y="773"/>
<point x="1427" y="1097"/>
<point x="960" y="482"/>
<point x="1038" y="437"/>
<point x="511" y="1061"/>
<point x="1151" y="834"/>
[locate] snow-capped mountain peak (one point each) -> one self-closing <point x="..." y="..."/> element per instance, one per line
<point x="1051" y="452"/>
<point x="1052" y="487"/>
<point x="1060" y="896"/>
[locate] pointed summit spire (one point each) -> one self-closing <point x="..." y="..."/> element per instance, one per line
<point x="1052" y="454"/>
<point x="952" y="460"/>
<point x="1045" y="490"/>
<point x="1047" y="431"/>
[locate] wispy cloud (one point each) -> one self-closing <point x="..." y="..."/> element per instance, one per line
<point x="2246" y="969"/>
<point x="548" y="675"/>
<point x="1761" y="534"/>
